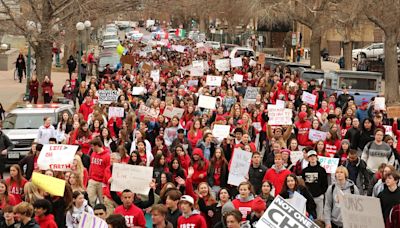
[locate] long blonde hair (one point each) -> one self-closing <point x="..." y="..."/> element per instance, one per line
<point x="32" y="193"/>
<point x="79" y="166"/>
<point x="78" y="180"/>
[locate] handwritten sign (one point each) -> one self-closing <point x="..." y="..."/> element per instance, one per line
<point x="221" y="131"/>
<point x="52" y="185"/>
<point x="134" y="177"/>
<point x="252" y="63"/>
<point x="330" y="164"/>
<point x="239" y="168"/>
<point x="308" y="98"/>
<point x="207" y="102"/>
<point x="196" y="71"/>
<point x="257" y="126"/>
<point x="278" y="116"/>
<point x="222" y="65"/>
<point x="57" y="157"/>
<point x="170" y="112"/>
<point x="108" y="96"/>
<point x="388" y="130"/>
<point x="315" y="135"/>
<point x="193" y="83"/>
<point x="138" y="90"/>
<point x="155" y="75"/>
<point x="116" y="112"/>
<point x="91" y="221"/>
<point x="393" y="111"/>
<point x="236" y="62"/>
<point x="361" y="211"/>
<point x="238" y="78"/>
<point x="178" y="48"/>
<point x="213" y="80"/>
<point x="280" y="213"/>
<point x="144" y="110"/>
<point x="379" y="103"/>
<point x="296" y="156"/>
<point x="251" y="94"/>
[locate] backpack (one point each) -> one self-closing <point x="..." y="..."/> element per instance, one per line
<point x="333" y="188"/>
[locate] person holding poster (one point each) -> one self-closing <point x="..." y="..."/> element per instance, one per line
<point x="332" y="216"/>
<point x="76" y="209"/>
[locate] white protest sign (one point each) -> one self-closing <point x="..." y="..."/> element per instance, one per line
<point x="252" y="62"/>
<point x="198" y="63"/>
<point x="57" y="157"/>
<point x="200" y="45"/>
<point x="315" y="135"/>
<point x="138" y="90"/>
<point x="207" y="102"/>
<point x="238" y="78"/>
<point x="239" y="167"/>
<point x="178" y="48"/>
<point x="330" y="164"/>
<point x="361" y="211"/>
<point x="193" y="83"/>
<point x="280" y="103"/>
<point x="222" y="64"/>
<point x="388" y="130"/>
<point x="116" y="112"/>
<point x="236" y="62"/>
<point x="295" y="156"/>
<point x="281" y="214"/>
<point x="257" y="126"/>
<point x="107" y="96"/>
<point x="308" y="98"/>
<point x="221" y="131"/>
<point x="170" y="112"/>
<point x="251" y="94"/>
<point x="91" y="221"/>
<point x="133" y="177"/>
<point x="379" y="103"/>
<point x="155" y="75"/>
<point x="298" y="201"/>
<point x="213" y="80"/>
<point x="278" y="116"/>
<point x="196" y="71"/>
<point x="144" y="110"/>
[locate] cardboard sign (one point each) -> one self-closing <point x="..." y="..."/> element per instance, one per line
<point x="213" y="80"/>
<point x="315" y="135"/>
<point x="361" y="211"/>
<point x="170" y="112"/>
<point x="108" y="96"/>
<point x="261" y="59"/>
<point x="207" y="102"/>
<point x="133" y="177"/>
<point x="52" y="185"/>
<point x="146" y="67"/>
<point x="138" y="90"/>
<point x="222" y="65"/>
<point x="116" y="112"/>
<point x="57" y="157"/>
<point x="278" y="116"/>
<point x="393" y="111"/>
<point x="379" y="103"/>
<point x="144" y="110"/>
<point x="91" y="221"/>
<point x="239" y="168"/>
<point x="330" y="164"/>
<point x="193" y="83"/>
<point x="296" y="156"/>
<point x="236" y="62"/>
<point x="308" y="98"/>
<point x="238" y="78"/>
<point x="221" y="131"/>
<point x="155" y="75"/>
<point x="127" y="59"/>
<point x="280" y="213"/>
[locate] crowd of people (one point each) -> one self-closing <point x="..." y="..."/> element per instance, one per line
<point x="191" y="165"/>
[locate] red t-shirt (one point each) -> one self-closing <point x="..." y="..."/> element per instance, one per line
<point x="133" y="216"/>
<point x="16" y="190"/>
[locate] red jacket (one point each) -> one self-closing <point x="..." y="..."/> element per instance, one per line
<point x="46" y="222"/>
<point x="193" y="221"/>
<point x="197" y="170"/>
<point x="185" y="162"/>
<point x="98" y="164"/>
<point x="111" y="124"/>
<point x="276" y="178"/>
<point x="396" y="132"/>
<point x="133" y="216"/>
<point x="34" y="88"/>
<point x="195" y="137"/>
<point x="244" y="206"/>
<point x="86" y="110"/>
<point x="303" y="130"/>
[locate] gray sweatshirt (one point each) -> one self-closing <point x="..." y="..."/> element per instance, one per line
<point x="374" y="155"/>
<point x="332" y="209"/>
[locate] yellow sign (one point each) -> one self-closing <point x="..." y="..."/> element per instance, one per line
<point x="52" y="185"/>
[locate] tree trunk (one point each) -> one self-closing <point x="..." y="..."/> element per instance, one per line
<point x="202" y="25"/>
<point x="315" y="48"/>
<point x="347" y="54"/>
<point x="391" y="72"/>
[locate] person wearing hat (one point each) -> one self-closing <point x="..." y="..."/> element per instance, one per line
<point x="316" y="180"/>
<point x="332" y="119"/>
<point x="302" y="128"/>
<point x="259" y="206"/>
<point x="279" y="134"/>
<point x="190" y="218"/>
<point x="362" y="111"/>
<point x="344" y="97"/>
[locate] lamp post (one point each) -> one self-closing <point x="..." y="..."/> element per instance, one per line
<point x="80" y="27"/>
<point x="30" y="26"/>
<point x="88" y="24"/>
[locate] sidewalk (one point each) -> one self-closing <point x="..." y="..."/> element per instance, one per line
<point x="11" y="91"/>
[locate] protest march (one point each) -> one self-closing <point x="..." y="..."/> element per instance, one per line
<point x="184" y="136"/>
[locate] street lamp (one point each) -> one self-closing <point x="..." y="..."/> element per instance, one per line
<point x="87" y="24"/>
<point x="80" y="26"/>
<point x="30" y="25"/>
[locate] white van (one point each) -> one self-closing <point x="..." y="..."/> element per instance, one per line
<point x="242" y="52"/>
<point x="110" y="36"/>
<point x="213" y="44"/>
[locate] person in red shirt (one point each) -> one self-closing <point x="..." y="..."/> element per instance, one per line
<point x="244" y="200"/>
<point x="6" y="199"/>
<point x="134" y="216"/>
<point x="16" y="183"/>
<point x="190" y="218"/>
<point x="303" y="127"/>
<point x="200" y="166"/>
<point x="86" y="108"/>
<point x="42" y="214"/>
<point x="277" y="174"/>
<point x="99" y="161"/>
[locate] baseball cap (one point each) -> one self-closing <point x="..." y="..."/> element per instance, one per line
<point x="311" y="153"/>
<point x="187" y="198"/>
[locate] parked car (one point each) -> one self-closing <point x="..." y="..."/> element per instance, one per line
<point x="109" y="44"/>
<point x="307" y="74"/>
<point x="22" y="124"/>
<point x="110" y="36"/>
<point x="272" y="61"/>
<point x="242" y="52"/>
<point x="213" y="44"/>
<point x="371" y="51"/>
<point x="294" y="66"/>
<point x="363" y="85"/>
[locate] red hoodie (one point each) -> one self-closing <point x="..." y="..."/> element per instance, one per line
<point x="110" y="126"/>
<point x="277" y="178"/>
<point x="303" y="130"/>
<point x="185" y="161"/>
<point x="46" y="221"/>
<point x="332" y="148"/>
<point x="243" y="205"/>
<point x="98" y="163"/>
<point x="86" y="109"/>
<point x="195" y="220"/>
<point x="133" y="215"/>
<point x="197" y="170"/>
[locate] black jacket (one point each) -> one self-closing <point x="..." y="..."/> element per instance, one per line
<point x="223" y="178"/>
<point x="310" y="205"/>
<point x="30" y="224"/>
<point x="29" y="162"/>
<point x="172" y="216"/>
<point x="315" y="179"/>
<point x="351" y="135"/>
<point x="256" y="176"/>
<point x="71" y="63"/>
<point x="364" y="177"/>
<point x="216" y="208"/>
